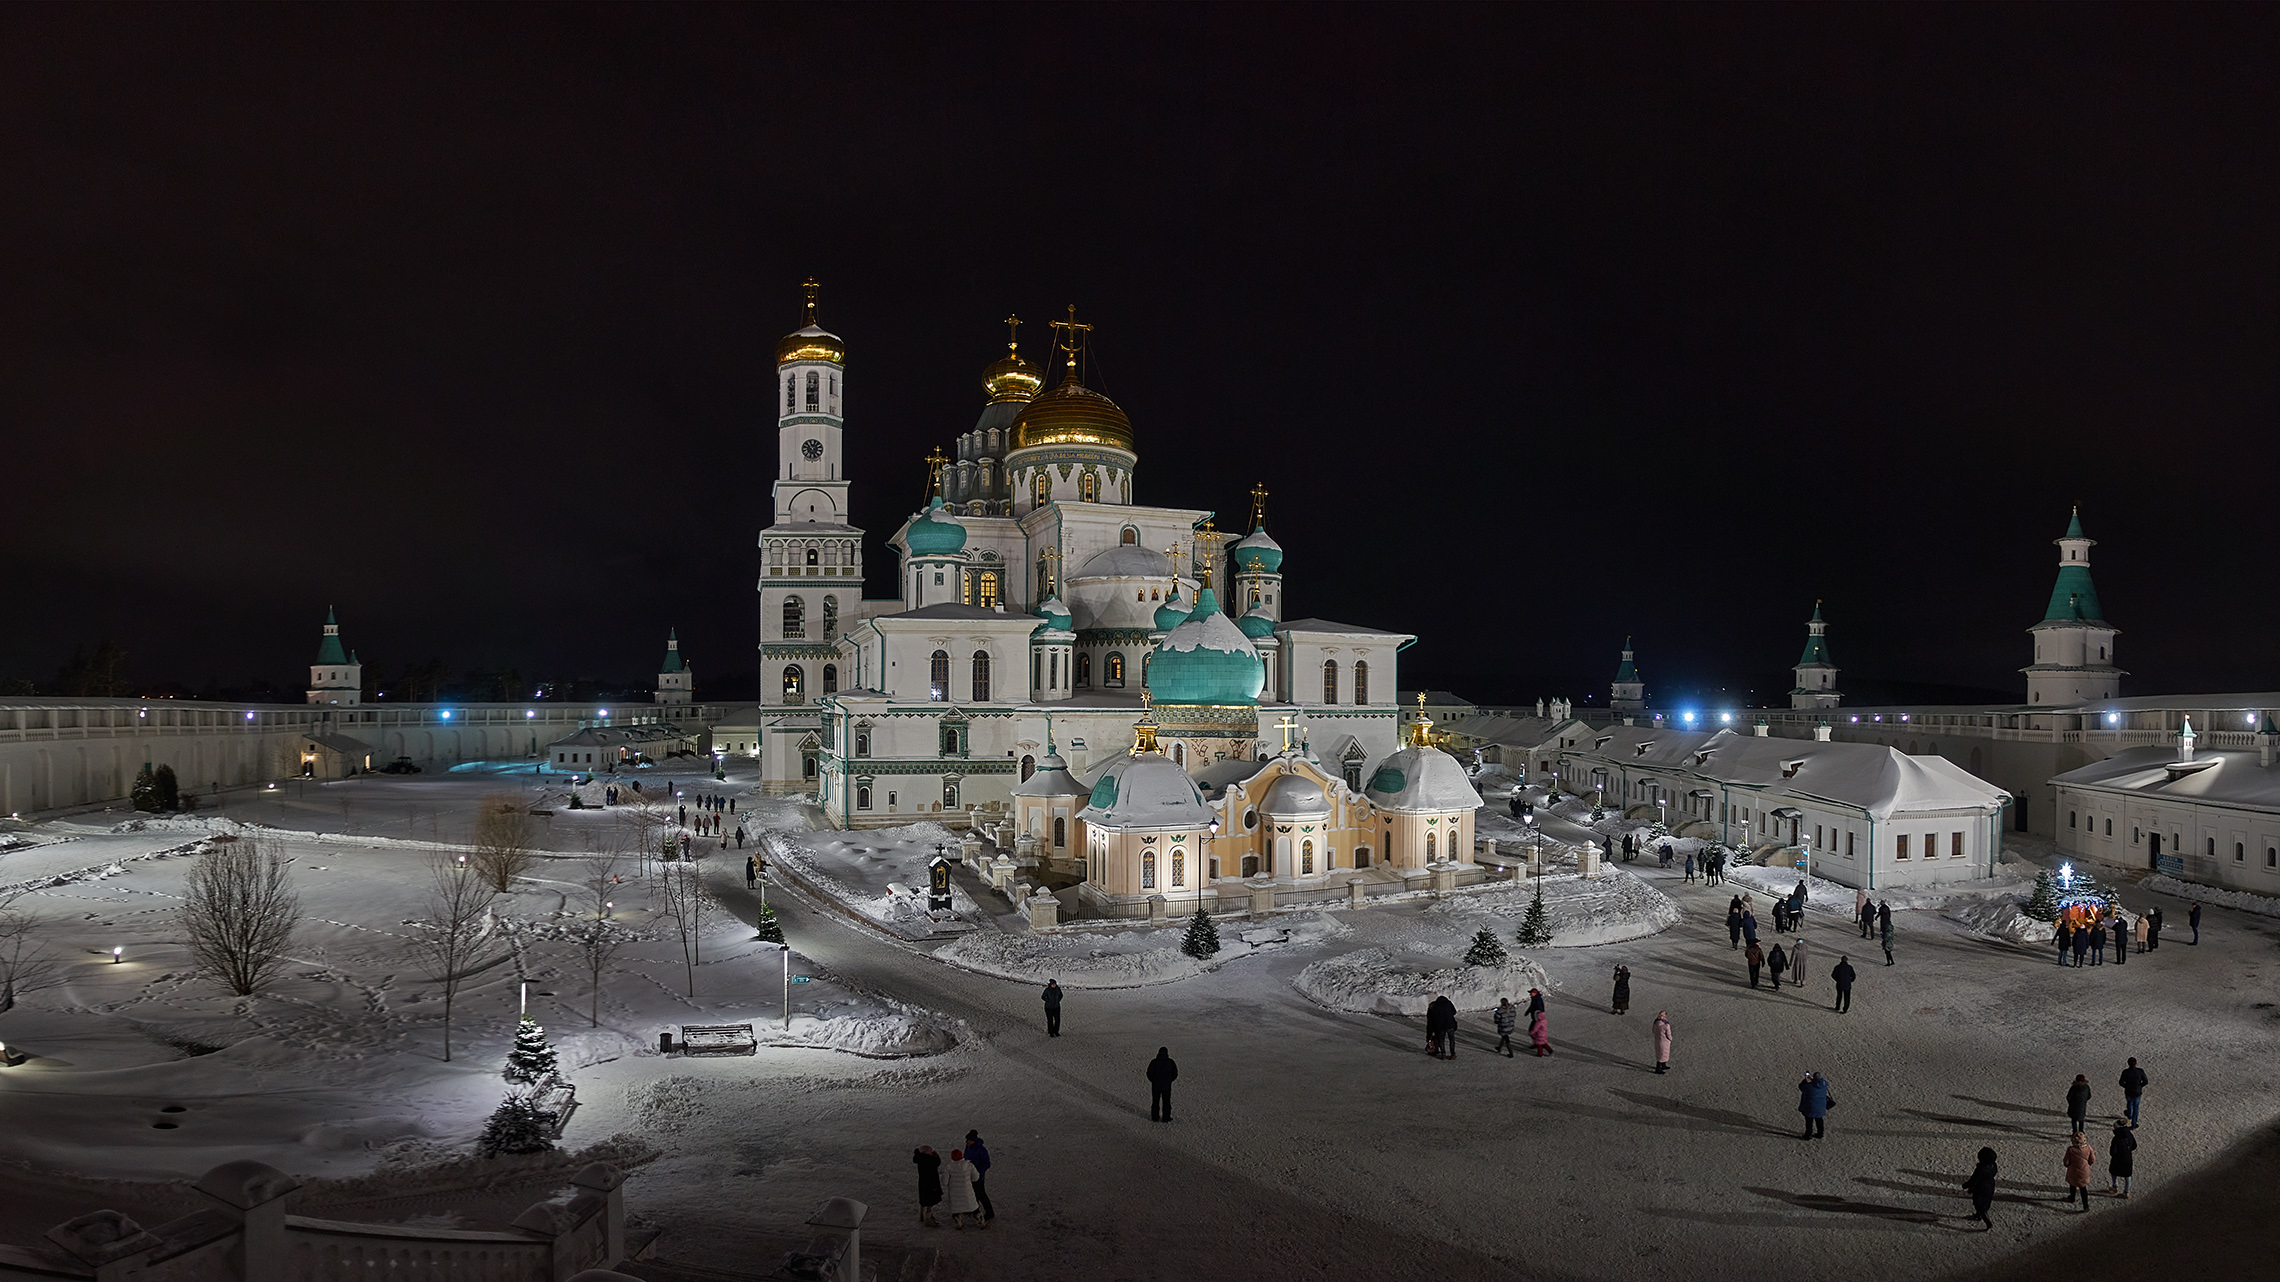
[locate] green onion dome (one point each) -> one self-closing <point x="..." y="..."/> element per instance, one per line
<point x="1258" y="553"/>
<point x="935" y="532"/>
<point x="1171" y="614"/>
<point x="1257" y="625"/>
<point x="1206" y="660"/>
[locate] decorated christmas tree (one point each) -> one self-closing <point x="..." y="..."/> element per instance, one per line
<point x="2043" y="904"/>
<point x="770" y="929"/>
<point x="518" y="1125"/>
<point x="1535" y="928"/>
<point x="1202" y="940"/>
<point x="1485" y="951"/>
<point x="531" y="1062"/>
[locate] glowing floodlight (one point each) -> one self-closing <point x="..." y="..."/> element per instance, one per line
<point x="447" y="714"/>
<point x="116" y="953"/>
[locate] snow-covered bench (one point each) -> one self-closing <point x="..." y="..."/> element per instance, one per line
<point x="719" y="1039"/>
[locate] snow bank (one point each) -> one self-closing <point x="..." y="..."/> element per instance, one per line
<point x="1825" y="896"/>
<point x="1382" y="981"/>
<point x="896" y="1036"/>
<point x="1999" y="918"/>
<point x="2245" y="901"/>
<point x="1079" y="961"/>
<point x="879" y="873"/>
<point x="198" y="825"/>
<point x="1613" y="907"/>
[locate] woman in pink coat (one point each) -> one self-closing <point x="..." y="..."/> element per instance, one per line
<point x="1540" y="1032"/>
<point x="2079" y="1158"/>
<point x="1662" y="1041"/>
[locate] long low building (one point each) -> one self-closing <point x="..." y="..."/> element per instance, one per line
<point x="1871" y="816"/>
<point x="2207" y="815"/>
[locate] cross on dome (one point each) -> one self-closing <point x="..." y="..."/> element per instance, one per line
<point x="1072" y="342"/>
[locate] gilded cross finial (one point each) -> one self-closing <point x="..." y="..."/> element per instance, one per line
<point x="936" y="461"/>
<point x="1259" y="506"/>
<point x="1012" y="334"/>
<point x="1072" y="338"/>
<point x="1287" y="726"/>
<point x="811" y="286"/>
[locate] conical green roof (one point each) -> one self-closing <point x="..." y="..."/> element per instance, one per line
<point x="672" y="651"/>
<point x="329" y="650"/>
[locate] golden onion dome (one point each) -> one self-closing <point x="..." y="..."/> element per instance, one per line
<point x="1072" y="414"/>
<point x="811" y="343"/>
<point x="1010" y="378"/>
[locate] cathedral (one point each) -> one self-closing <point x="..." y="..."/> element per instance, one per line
<point x="1055" y="640"/>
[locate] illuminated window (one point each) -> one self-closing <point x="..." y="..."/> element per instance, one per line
<point x="1148" y="871"/>
<point x="986" y="589"/>
<point x="1115" y="669"/>
<point x="1088" y="489"/>
<point x="1179" y="867"/>
<point x="938" y="680"/>
<point x="1084" y="670"/>
<point x="795" y="617"/>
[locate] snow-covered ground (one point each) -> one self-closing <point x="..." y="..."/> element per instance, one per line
<point x="879" y="872"/>
<point x="1607" y="909"/>
<point x="2245" y="901"/>
<point x="1125" y="957"/>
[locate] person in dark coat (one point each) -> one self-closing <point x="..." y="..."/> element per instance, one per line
<point x="2153" y="930"/>
<point x="751" y="869"/>
<point x="2097" y="934"/>
<point x="1535" y="1001"/>
<point x="2081" y="946"/>
<point x="1734" y="924"/>
<point x="1867" y="920"/>
<point x="929" y="1184"/>
<point x="1755" y="956"/>
<point x="2078" y="1100"/>
<point x="1052" y="1008"/>
<point x="1162" y="1072"/>
<point x="2121" y="1159"/>
<point x="1777" y="965"/>
<point x="2121" y="941"/>
<point x="1507" y="1017"/>
<point x="1441" y="1027"/>
<point x="1813" y="1101"/>
<point x="1780" y="916"/>
<point x="980" y="1157"/>
<point x="2064" y="938"/>
<point x="1622" y="990"/>
<point x="2194" y="918"/>
<point x="1843" y="974"/>
<point x="2133" y="1085"/>
<point x="1884" y="928"/>
<point x="1981" y="1185"/>
<point x="1749" y="927"/>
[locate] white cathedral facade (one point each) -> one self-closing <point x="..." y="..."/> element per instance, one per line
<point x="1040" y="612"/>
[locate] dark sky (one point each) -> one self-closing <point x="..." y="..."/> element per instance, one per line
<point x="1544" y="325"/>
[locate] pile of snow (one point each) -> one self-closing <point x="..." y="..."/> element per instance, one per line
<point x="2245" y="901"/>
<point x="1078" y="961"/>
<point x="1382" y="981"/>
<point x="1607" y="909"/>
<point x="1825" y="896"/>
<point x="880" y="873"/>
<point x="896" y="1036"/>
<point x="1999" y="917"/>
<point x="200" y="825"/>
<point x="1498" y="781"/>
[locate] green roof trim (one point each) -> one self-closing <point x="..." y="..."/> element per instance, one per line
<point x="2074" y="596"/>
<point x="2074" y="526"/>
<point x="1388" y="779"/>
<point x="1104" y="792"/>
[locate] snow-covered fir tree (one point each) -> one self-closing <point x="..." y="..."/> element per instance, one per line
<point x="145" y="794"/>
<point x="531" y="1062"/>
<point x="1202" y="940"/>
<point x="1535" y="928"/>
<point x="518" y="1125"/>
<point x="2042" y="905"/>
<point x="1485" y="951"/>
<point x="771" y="930"/>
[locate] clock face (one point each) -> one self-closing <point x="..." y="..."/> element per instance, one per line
<point x="811" y="450"/>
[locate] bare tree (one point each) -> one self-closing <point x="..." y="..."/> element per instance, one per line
<point x="597" y="937"/>
<point x="505" y="832"/>
<point x="681" y="884"/>
<point x="239" y="911"/>
<point x="26" y="966"/>
<point x="456" y="940"/>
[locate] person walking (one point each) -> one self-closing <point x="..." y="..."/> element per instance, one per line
<point x="1052" y="1008"/>
<point x="1734" y="923"/>
<point x="1507" y="1017"/>
<point x="1622" y="990"/>
<point x="1867" y="918"/>
<point x="2144" y="930"/>
<point x="1776" y="964"/>
<point x="2194" y="919"/>
<point x="1884" y="928"/>
<point x="1813" y="1101"/>
<point x="1662" y="1041"/>
<point x="1540" y="1031"/>
<point x="1981" y="1185"/>
<point x="1689" y="867"/>
<point x="1780" y="916"/>
<point x="1162" y="1072"/>
<point x="2097" y="933"/>
<point x="929" y="1184"/>
<point x="1441" y="1027"/>
<point x="1755" y="956"/>
<point x="2080" y="1157"/>
<point x="2078" y="1101"/>
<point x="1749" y="926"/>
<point x="2081" y="946"/>
<point x="2063" y="936"/>
<point x="1860" y="907"/>
<point x="979" y="1156"/>
<point x="2121" y="1159"/>
<point x="1797" y="962"/>
<point x="1843" y="975"/>
<point x="751" y="868"/>
<point x="2133" y="1086"/>
<point x="1535" y="1002"/>
<point x="2153" y="937"/>
<point x="958" y="1179"/>
<point x="2121" y="941"/>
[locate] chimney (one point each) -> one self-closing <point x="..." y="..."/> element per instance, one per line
<point x="1821" y="733"/>
<point x="2185" y="739"/>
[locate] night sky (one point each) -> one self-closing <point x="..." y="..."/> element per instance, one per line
<point x="1544" y="326"/>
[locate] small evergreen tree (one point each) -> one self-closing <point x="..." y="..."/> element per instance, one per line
<point x="1202" y="942"/>
<point x="169" y="792"/>
<point x="1485" y="951"/>
<point x="518" y="1125"/>
<point x="145" y="794"/>
<point x="1535" y="928"/>
<point x="2043" y="904"/>
<point x="531" y="1062"/>
<point x="771" y="930"/>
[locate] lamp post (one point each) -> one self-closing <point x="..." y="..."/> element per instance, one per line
<point x="787" y="984"/>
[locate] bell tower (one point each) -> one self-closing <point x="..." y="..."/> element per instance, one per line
<point x="811" y="557"/>
<point x="1816" y="676"/>
<point x="2074" y="645"/>
<point x="1627" y="693"/>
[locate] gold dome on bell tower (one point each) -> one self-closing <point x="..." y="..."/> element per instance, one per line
<point x="810" y="342"/>
<point x="1010" y="379"/>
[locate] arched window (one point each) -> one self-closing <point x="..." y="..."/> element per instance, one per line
<point x="1179" y="867"/>
<point x="1115" y="674"/>
<point x="1254" y="599"/>
<point x="1179" y="754"/>
<point x="795" y="617"/>
<point x="812" y="555"/>
<point x="1060" y="831"/>
<point x="1306" y="857"/>
<point x="862" y="745"/>
<point x="1148" y="871"/>
<point x="938" y="681"/>
<point x="1429" y="847"/>
<point x="1088" y="489"/>
<point x="986" y="589"/>
<point x="814" y="390"/>
<point x="1028" y="768"/>
<point x="794" y="682"/>
<point x="1329" y="681"/>
<point x="863" y="796"/>
<point x="950" y="741"/>
<point x="791" y="394"/>
<point x="949" y="794"/>
<point x="1361" y="682"/>
<point x="1084" y="669"/>
<point x="830" y="616"/>
<point x="1361" y="856"/>
<point x="1128" y="537"/>
<point x="981" y="675"/>
<point x="1044" y="487"/>
<point x="831" y="678"/>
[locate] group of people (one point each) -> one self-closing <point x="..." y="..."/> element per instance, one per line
<point x="1507" y="1018"/>
<point x="2085" y="936"/>
<point x="962" y="1182"/>
<point x="1711" y="863"/>
<point x="2080" y="1158"/>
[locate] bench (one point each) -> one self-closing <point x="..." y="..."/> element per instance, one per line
<point x="719" y="1039"/>
<point x="558" y="1101"/>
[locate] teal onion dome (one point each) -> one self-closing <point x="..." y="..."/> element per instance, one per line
<point x="1257" y="625"/>
<point x="935" y="532"/>
<point x="1258" y="553"/>
<point x="1206" y="659"/>
<point x="1052" y="616"/>
<point x="1171" y="614"/>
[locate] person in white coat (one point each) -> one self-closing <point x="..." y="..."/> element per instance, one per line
<point x="958" y="1191"/>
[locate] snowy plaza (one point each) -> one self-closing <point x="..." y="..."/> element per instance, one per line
<point x="1311" y="1128"/>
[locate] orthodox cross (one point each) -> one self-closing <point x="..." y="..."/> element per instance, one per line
<point x="811" y="287"/>
<point x="1012" y="335"/>
<point x="1286" y="725"/>
<point x="1072" y="340"/>
<point x="1175" y="552"/>
<point x="1259" y="506"/>
<point x="935" y="461"/>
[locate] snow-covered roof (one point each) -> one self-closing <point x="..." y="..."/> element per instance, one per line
<point x="1324" y="627"/>
<point x="2225" y="777"/>
<point x="1146" y="790"/>
<point x="812" y="527"/>
<point x="1052" y="779"/>
<point x="1417" y="778"/>
<point x="1208" y="629"/>
<point x="952" y="610"/>
<point x="1294" y="796"/>
<point x="1511" y="732"/>
<point x="1128" y="561"/>
<point x="1868" y="777"/>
